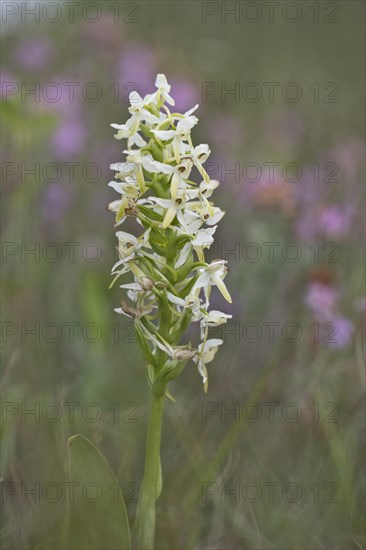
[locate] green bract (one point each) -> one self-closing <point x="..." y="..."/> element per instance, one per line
<point x="171" y="281"/>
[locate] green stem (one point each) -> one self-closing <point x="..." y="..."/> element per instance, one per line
<point x="151" y="484"/>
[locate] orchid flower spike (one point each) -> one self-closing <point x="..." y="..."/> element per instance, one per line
<point x="170" y="281"/>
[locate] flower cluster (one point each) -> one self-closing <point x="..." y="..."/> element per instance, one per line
<point x="171" y="281"/>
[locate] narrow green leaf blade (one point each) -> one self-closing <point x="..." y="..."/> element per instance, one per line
<point x="98" y="516"/>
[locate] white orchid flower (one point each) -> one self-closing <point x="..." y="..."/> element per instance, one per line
<point x="208" y="187"/>
<point x="191" y="302"/>
<point x="190" y="222"/>
<point x="128" y="245"/>
<point x="123" y="169"/>
<point x="213" y="275"/>
<point x="211" y="215"/>
<point x="144" y="284"/>
<point x="181" y="172"/>
<point x="141" y="287"/>
<point x="179" y="135"/>
<point x="205" y="354"/>
<point x="139" y="112"/>
<point x="154" y="166"/>
<point x="172" y="206"/>
<point x="214" y="318"/>
<point x="203" y="239"/>
<point x="128" y="187"/>
<point x="189" y="212"/>
<point x="127" y="263"/>
<point x="119" y="207"/>
<point x="134" y="158"/>
<point x="162" y="93"/>
<point x="198" y="155"/>
<point x="125" y="132"/>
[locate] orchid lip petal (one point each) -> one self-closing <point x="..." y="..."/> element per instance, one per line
<point x="169" y="216"/>
<point x="222" y="288"/>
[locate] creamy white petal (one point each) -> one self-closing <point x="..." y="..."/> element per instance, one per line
<point x="155" y="166"/>
<point x="175" y="299"/>
<point x="183" y="255"/>
<point x="164" y="135"/>
<point x="192" y="110"/>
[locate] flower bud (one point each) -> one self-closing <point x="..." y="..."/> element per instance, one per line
<point x="184" y="354"/>
<point x="146" y="283"/>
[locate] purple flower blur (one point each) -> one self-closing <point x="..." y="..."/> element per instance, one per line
<point x="225" y="132"/>
<point x="321" y="299"/>
<point x="69" y="138"/>
<point x="329" y="221"/>
<point x="60" y="98"/>
<point x="334" y="221"/>
<point x="57" y="199"/>
<point x="344" y="330"/>
<point x="185" y="93"/>
<point x="136" y="70"/>
<point x="35" y="53"/>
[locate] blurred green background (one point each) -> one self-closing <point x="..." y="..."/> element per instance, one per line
<point x="310" y="293"/>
